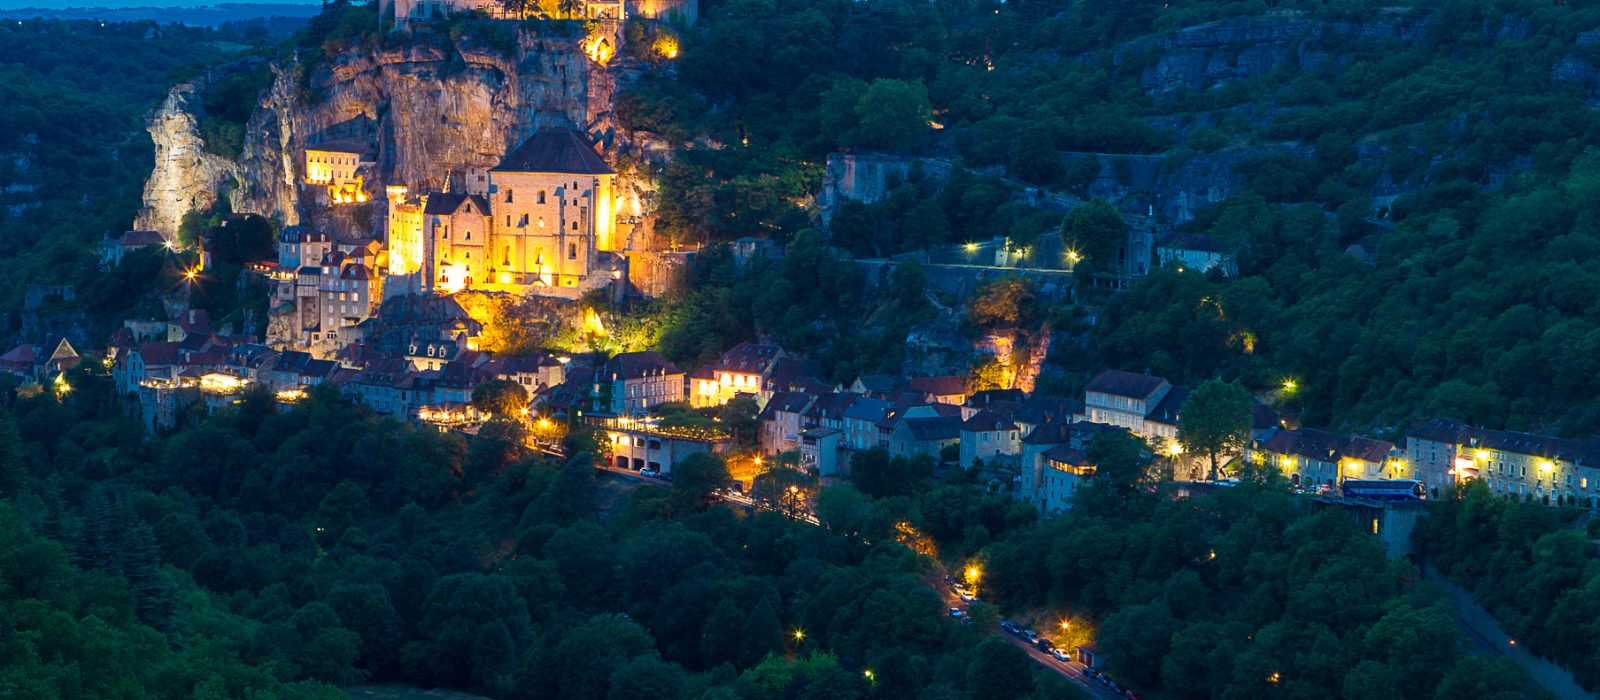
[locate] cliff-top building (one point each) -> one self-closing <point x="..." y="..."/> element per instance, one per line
<point x="544" y="224"/>
<point x="409" y="12"/>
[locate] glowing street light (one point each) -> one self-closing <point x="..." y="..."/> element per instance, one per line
<point x="1074" y="256"/>
<point x="1289" y="385"/>
<point x="972" y="247"/>
<point x="798" y="634"/>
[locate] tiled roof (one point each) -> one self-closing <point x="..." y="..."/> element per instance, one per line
<point x="940" y="386"/>
<point x="748" y="358"/>
<point x="1458" y="433"/>
<point x="831" y="405"/>
<point x="1052" y="433"/>
<point x="934" y="428"/>
<point x="987" y="421"/>
<point x="21" y="357"/>
<point x="158" y="354"/>
<point x="1041" y="409"/>
<point x="867" y="409"/>
<point x="637" y="365"/>
<point x="785" y="402"/>
<point x="1167" y="411"/>
<point x="1130" y="384"/>
<point x="1324" y="446"/>
<point x="554" y="152"/>
<point x="1062" y="454"/>
<point x="880" y="383"/>
<point x="446" y="203"/>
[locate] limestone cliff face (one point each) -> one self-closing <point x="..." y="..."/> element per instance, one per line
<point x="432" y="108"/>
<point x="186" y="176"/>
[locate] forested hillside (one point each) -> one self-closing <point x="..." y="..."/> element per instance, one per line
<point x="75" y="152"/>
<point x="1406" y="184"/>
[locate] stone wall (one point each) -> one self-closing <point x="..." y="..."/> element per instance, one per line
<point x="1549" y="675"/>
<point x="659" y="273"/>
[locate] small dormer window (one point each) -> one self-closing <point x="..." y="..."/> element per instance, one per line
<point x="508" y="195"/>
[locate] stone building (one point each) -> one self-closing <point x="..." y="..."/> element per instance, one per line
<point x="544" y="224"/>
<point x="1513" y="464"/>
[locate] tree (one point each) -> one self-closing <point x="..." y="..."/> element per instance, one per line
<point x="1119" y="459"/>
<point x="1003" y="302"/>
<point x="1095" y="231"/>
<point x="501" y="398"/>
<point x="998" y="669"/>
<point x="894" y="115"/>
<point x="590" y="656"/>
<point x="740" y="417"/>
<point x="13" y="471"/>
<point x="694" y="478"/>
<point x="646" y="678"/>
<point x="1215" y="420"/>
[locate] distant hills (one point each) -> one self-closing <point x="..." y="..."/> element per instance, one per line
<point x="199" y="15"/>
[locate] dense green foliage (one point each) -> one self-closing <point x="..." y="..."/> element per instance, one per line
<point x="1246" y="593"/>
<point x="1526" y="563"/>
<point x="263" y="553"/>
<point x="811" y="299"/>
<point x="75" y="153"/>
<point x="1446" y="141"/>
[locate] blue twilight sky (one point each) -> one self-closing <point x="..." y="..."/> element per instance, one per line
<point x="65" y="4"/>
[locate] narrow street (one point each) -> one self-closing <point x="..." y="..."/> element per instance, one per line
<point x="1071" y="670"/>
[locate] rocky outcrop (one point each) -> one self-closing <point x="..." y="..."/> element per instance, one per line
<point x="186" y="176"/>
<point x="432" y="108"/>
<point x="1205" y="56"/>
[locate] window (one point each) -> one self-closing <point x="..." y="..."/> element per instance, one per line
<point x="469" y="234"/>
<point x="508" y="221"/>
<point x="507" y="257"/>
<point x="572" y="251"/>
<point x="508" y="196"/>
<point x="541" y="196"/>
<point x="574" y="225"/>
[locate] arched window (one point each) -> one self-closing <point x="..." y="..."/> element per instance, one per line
<point x="572" y="251"/>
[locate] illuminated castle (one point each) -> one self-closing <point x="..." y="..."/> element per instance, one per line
<point x="542" y="222"/>
<point x="408" y="12"/>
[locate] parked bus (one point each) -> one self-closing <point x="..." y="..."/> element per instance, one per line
<point x="1384" y="490"/>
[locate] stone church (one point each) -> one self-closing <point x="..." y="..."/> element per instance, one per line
<point x="542" y="222"/>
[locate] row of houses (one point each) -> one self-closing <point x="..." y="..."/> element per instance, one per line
<point x="1438" y="453"/>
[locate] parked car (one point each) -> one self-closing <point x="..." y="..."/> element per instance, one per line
<point x="1011" y="627"/>
<point x="1060" y="655"/>
<point x="1090" y="672"/>
<point x="651" y="472"/>
<point x="1033" y="636"/>
<point x="967" y="597"/>
<point x="1045" y="645"/>
<point x="956" y="613"/>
